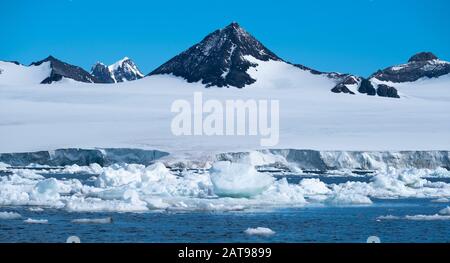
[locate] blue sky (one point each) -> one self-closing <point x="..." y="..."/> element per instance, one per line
<point x="357" y="36"/>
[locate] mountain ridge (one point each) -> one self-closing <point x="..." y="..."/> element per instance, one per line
<point x="120" y="71"/>
<point x="219" y="60"/>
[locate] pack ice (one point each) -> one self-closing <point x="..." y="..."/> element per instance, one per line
<point x="226" y="186"/>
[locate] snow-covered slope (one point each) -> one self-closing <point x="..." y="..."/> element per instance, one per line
<point x="137" y="114"/>
<point x="123" y="70"/>
<point x="16" y="74"/>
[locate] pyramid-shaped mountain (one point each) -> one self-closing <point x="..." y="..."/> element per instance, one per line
<point x="219" y="59"/>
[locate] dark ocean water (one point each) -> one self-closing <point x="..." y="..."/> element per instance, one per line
<point x="309" y="224"/>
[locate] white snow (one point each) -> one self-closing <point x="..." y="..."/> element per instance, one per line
<point x="259" y="231"/>
<point x="137" y="115"/>
<point x="9" y="215"/>
<point x="113" y="67"/>
<point x="395" y="183"/>
<point x="18" y="75"/>
<point x="314" y="186"/>
<point x="348" y="198"/>
<point x="126" y="67"/>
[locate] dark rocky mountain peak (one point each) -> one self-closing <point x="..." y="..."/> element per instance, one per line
<point x="60" y="70"/>
<point x="123" y="70"/>
<point x="219" y="59"/>
<point x="102" y="73"/>
<point x="422" y="56"/>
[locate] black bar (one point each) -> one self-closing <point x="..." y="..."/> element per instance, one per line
<point x="279" y="252"/>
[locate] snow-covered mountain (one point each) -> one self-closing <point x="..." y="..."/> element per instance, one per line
<point x="218" y="60"/>
<point x="60" y="70"/>
<point x="227" y="57"/>
<point x="123" y="70"/>
<point x="232" y="57"/>
<point x="421" y="65"/>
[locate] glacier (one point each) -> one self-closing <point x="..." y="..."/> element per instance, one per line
<point x="83" y="157"/>
<point x="340" y="160"/>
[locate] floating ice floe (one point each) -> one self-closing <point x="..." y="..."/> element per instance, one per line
<point x="226" y="186"/>
<point x="427" y="217"/>
<point x="36" y="221"/>
<point x="9" y="215"/>
<point x="388" y="217"/>
<point x="107" y="220"/>
<point x="441" y="200"/>
<point x="36" y="209"/>
<point x="91" y="169"/>
<point x="444" y="214"/>
<point x="445" y="211"/>
<point x="259" y="231"/>
<point x="4" y="166"/>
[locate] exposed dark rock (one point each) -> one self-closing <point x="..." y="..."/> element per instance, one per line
<point x="366" y="87"/>
<point x="102" y="73"/>
<point x="14" y="62"/>
<point x="342" y="88"/>
<point x="351" y="80"/>
<point x="387" y="91"/>
<point x="61" y="69"/>
<point x="313" y="71"/>
<point x="423" y="56"/>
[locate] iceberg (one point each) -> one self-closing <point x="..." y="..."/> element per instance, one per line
<point x="238" y="180"/>
<point x="259" y="231"/>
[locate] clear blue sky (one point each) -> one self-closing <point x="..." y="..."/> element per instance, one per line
<point x="357" y="36"/>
